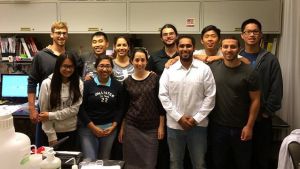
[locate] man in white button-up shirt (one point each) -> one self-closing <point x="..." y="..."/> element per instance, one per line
<point x="187" y="92"/>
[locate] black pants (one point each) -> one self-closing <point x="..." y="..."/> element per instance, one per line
<point x="163" y="159"/>
<point x="227" y="148"/>
<point x="71" y="144"/>
<point x="262" y="144"/>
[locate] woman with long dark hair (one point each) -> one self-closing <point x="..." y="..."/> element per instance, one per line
<point x="59" y="100"/>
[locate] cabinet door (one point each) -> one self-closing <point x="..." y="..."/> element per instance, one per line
<point x="149" y="17"/>
<point x="83" y="17"/>
<point x="27" y="17"/>
<point x="229" y="15"/>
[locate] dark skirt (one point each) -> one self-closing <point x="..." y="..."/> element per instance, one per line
<point x="140" y="148"/>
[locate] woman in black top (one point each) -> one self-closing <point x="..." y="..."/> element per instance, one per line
<point x="144" y="120"/>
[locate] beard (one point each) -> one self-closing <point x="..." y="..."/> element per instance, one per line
<point x="168" y="45"/>
<point x="187" y="57"/>
<point x="231" y="58"/>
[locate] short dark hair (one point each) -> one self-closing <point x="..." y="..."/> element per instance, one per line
<point x="251" y="20"/>
<point x="188" y="37"/>
<point x="211" y="28"/>
<point x="139" y="49"/>
<point x="231" y="37"/>
<point x="168" y="26"/>
<point x="99" y="33"/>
<point x="99" y="59"/>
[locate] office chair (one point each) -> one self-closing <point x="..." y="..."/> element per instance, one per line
<point x="294" y="150"/>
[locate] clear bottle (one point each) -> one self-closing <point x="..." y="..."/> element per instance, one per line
<point x="74" y="166"/>
<point x="51" y="162"/>
<point x="14" y="146"/>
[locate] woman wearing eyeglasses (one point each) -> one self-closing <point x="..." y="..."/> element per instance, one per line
<point x="59" y="99"/>
<point x="143" y="124"/>
<point x="100" y="112"/>
<point x="122" y="66"/>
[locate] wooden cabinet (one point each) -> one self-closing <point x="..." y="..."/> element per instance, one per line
<point x="27" y="17"/>
<point x="83" y="17"/>
<point x="229" y="15"/>
<point x="149" y="17"/>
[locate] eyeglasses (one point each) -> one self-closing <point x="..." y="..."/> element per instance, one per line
<point x="67" y="67"/>
<point x="255" y="32"/>
<point x="61" y="33"/>
<point x="104" y="66"/>
<point x="169" y="34"/>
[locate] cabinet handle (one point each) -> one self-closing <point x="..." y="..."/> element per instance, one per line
<point x="25" y="29"/>
<point x="93" y="29"/>
<point x="237" y="29"/>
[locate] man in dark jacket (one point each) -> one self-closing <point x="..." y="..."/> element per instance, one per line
<point x="270" y="79"/>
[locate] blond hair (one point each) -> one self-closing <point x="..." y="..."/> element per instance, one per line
<point x="59" y="25"/>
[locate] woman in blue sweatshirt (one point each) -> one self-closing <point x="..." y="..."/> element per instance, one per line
<point x="100" y="112"/>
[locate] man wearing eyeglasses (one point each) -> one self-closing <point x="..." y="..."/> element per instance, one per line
<point x="270" y="77"/>
<point x="158" y="59"/>
<point x="43" y="65"/>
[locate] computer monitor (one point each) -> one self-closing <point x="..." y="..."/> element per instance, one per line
<point x="14" y="87"/>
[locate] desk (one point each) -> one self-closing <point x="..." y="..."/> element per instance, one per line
<point x="21" y="120"/>
<point x="113" y="163"/>
<point x="278" y="123"/>
<point x="23" y="124"/>
<point x="280" y="131"/>
<point x="280" y="128"/>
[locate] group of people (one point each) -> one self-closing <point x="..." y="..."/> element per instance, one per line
<point x="217" y="102"/>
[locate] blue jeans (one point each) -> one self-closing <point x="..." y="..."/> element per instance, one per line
<point x="195" y="139"/>
<point x="95" y="147"/>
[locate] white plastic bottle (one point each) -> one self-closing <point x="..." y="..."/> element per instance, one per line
<point x="14" y="147"/>
<point x="51" y="162"/>
<point x="35" y="159"/>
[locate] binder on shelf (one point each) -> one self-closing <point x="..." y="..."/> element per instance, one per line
<point x="25" y="47"/>
<point x="261" y="44"/>
<point x="4" y="47"/>
<point x="29" y="46"/>
<point x="11" y="45"/>
<point x="274" y="48"/>
<point x="270" y="46"/>
<point x="32" y="42"/>
<point x="18" y="47"/>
